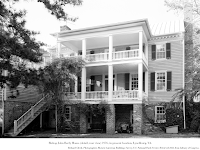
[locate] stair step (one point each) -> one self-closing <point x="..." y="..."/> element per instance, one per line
<point x="27" y="122"/>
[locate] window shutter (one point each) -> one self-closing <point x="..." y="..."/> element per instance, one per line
<point x="79" y="84"/>
<point x="91" y="52"/>
<point x="80" y="53"/>
<point x="153" y="52"/>
<point x="126" y="81"/>
<point x="168" y="50"/>
<point x="143" y="81"/>
<point x="92" y="83"/>
<point x="153" y="81"/>
<point x="169" y="81"/>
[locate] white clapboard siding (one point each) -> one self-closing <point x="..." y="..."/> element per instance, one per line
<point x="175" y="64"/>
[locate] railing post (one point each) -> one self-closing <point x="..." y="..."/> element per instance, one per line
<point x="15" y="126"/>
<point x="32" y="111"/>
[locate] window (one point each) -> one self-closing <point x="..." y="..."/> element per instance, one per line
<point x="134" y="82"/>
<point x="160" y="82"/>
<point x="160" y="116"/>
<point x="160" y="51"/>
<point x="68" y="113"/>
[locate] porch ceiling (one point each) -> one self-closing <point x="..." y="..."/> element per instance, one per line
<point x="98" y="42"/>
<point x="119" y="68"/>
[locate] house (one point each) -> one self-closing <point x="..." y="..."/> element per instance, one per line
<point x="128" y="64"/>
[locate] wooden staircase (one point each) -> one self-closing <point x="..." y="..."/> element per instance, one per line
<point x="27" y="117"/>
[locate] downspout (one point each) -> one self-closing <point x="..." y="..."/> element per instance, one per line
<point x="184" y="125"/>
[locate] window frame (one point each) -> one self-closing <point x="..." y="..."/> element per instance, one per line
<point x="156" y="75"/>
<point x="70" y="113"/>
<point x="164" y="44"/>
<point x="131" y="81"/>
<point x="156" y="115"/>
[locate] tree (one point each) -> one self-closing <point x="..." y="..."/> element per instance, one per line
<point x="55" y="80"/>
<point x="18" y="45"/>
<point x="191" y="11"/>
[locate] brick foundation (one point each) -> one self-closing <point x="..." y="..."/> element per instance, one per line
<point x="137" y="119"/>
<point x="13" y="110"/>
<point x="110" y="120"/>
<point x="83" y="123"/>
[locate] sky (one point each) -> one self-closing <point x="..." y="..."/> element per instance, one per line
<point x="93" y="13"/>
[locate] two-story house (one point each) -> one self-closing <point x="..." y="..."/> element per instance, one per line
<point x="127" y="64"/>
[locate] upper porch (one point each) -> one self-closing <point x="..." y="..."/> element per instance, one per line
<point x="97" y="49"/>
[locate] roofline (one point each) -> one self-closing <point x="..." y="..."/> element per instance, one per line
<point x="106" y="26"/>
<point x="168" y="34"/>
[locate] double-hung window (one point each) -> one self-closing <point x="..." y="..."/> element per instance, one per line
<point x="160" y="116"/>
<point x="68" y="113"/>
<point x="161" y="81"/>
<point x="161" y="51"/>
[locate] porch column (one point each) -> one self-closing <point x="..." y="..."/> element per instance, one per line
<point x="83" y="84"/>
<point x="147" y="52"/>
<point x="140" y="44"/>
<point x="83" y="48"/>
<point x="110" y="119"/>
<point x="137" y="119"/>
<point x="140" y="80"/>
<point x="110" y="82"/>
<point x="110" y="47"/>
<point x="58" y="49"/>
<point x="147" y="82"/>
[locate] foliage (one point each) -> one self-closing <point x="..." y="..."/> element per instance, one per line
<point x="192" y="116"/>
<point x="178" y="5"/>
<point x="55" y="78"/>
<point x="191" y="11"/>
<point x="18" y="45"/>
<point x="94" y="109"/>
<point x="174" y="116"/>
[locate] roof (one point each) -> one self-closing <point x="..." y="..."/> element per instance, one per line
<point x="141" y="22"/>
<point x="167" y="27"/>
<point x="153" y="29"/>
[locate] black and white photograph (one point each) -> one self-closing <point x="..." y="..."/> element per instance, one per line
<point x="100" y="74"/>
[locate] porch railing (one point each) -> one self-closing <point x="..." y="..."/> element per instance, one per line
<point x="103" y="95"/>
<point x="125" y="54"/>
<point x="126" y="94"/>
<point x="73" y="95"/>
<point x="97" y="57"/>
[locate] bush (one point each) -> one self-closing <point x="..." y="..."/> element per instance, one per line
<point x="174" y="116"/>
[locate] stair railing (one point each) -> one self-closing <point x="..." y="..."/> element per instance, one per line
<point x="27" y="115"/>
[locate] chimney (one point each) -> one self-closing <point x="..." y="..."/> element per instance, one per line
<point x="64" y="28"/>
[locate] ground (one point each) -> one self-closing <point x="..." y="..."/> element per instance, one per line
<point x="53" y="134"/>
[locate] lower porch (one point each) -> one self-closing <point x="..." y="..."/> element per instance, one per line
<point x="118" y="118"/>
